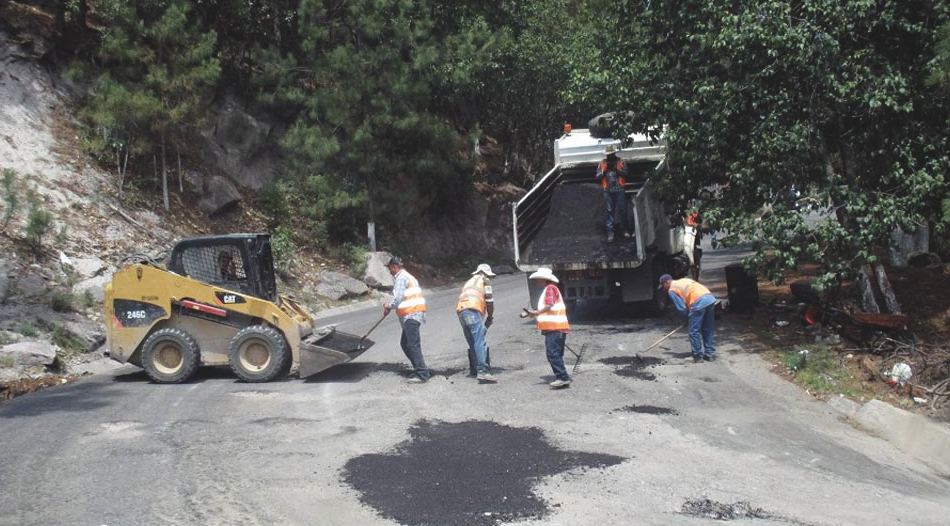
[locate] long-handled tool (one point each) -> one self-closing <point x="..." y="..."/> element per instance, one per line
<point x="663" y="338"/>
<point x="579" y="355"/>
<point x="371" y="329"/>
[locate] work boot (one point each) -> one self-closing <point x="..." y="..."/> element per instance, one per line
<point x="486" y="378"/>
<point x="709" y="358"/>
<point x="626" y="235"/>
<point x="697" y="358"/>
<point x="560" y="384"/>
<point x="416" y="380"/>
<point x="610" y="237"/>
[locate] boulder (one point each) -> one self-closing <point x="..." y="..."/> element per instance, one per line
<point x="219" y="194"/>
<point x="242" y="146"/>
<point x="195" y="182"/>
<point x="95" y="285"/>
<point x="377" y="273"/>
<point x="89" y="267"/>
<point x="29" y="353"/>
<point x="28" y="287"/>
<point x="331" y="285"/>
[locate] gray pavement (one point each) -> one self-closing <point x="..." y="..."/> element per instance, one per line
<point x="118" y="450"/>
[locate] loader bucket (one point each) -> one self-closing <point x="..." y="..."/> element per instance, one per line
<point x="319" y="352"/>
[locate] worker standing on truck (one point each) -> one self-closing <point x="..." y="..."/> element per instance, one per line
<point x="475" y="309"/>
<point x="692" y="238"/>
<point x="552" y="321"/>
<point x="612" y="174"/>
<point x="698" y="305"/>
<point x="411" y="308"/>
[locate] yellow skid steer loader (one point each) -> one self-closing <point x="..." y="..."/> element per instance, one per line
<point x="216" y="303"/>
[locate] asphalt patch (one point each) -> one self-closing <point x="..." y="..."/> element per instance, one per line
<point x="634" y="366"/>
<point x="464" y="474"/>
<point x="711" y="509"/>
<point x="649" y="410"/>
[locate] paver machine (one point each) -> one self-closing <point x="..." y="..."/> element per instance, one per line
<point x="215" y="302"/>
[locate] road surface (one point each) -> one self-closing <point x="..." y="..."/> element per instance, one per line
<point x="652" y="441"/>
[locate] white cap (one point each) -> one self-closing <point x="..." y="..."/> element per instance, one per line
<point x="544" y="273"/>
<point x="484" y="269"/>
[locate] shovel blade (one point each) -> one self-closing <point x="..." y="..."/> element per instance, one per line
<point x="322" y="352"/>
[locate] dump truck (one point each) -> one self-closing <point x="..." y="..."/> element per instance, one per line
<point x="560" y="224"/>
<point x="214" y="301"/>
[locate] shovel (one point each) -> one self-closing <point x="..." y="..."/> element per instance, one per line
<point x="329" y="347"/>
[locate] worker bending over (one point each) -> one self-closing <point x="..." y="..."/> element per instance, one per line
<point x="698" y="305"/>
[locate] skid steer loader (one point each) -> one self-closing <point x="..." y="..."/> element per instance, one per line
<point x="215" y="302"/>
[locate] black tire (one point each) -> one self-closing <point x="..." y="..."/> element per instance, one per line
<point x="259" y="354"/>
<point x="170" y="356"/>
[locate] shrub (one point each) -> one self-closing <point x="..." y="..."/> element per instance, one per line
<point x="62" y="337"/>
<point x="11" y="199"/>
<point x="62" y="301"/>
<point x="27" y="329"/>
<point x="38" y="221"/>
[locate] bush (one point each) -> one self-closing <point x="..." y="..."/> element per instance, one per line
<point x="38" y="221"/>
<point x="354" y="256"/>
<point x="11" y="200"/>
<point x="88" y="301"/>
<point x="285" y="248"/>
<point x="63" y="338"/>
<point x="29" y="330"/>
<point x="62" y="301"/>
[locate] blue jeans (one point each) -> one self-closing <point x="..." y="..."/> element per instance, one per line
<point x="554" y="345"/>
<point x="411" y="344"/>
<point x="616" y="206"/>
<point x="474" y="329"/>
<point x="702" y="324"/>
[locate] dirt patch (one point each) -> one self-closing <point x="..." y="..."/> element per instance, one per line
<point x="15" y="388"/>
<point x="634" y="366"/>
<point x="649" y="410"/>
<point x="464" y="474"/>
<point x="710" y="509"/>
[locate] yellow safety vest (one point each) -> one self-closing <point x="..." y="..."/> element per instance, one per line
<point x="412" y="300"/>
<point x="556" y="318"/>
<point x="473" y="295"/>
<point x="688" y="290"/>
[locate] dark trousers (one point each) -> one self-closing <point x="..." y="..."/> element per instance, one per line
<point x="554" y="346"/>
<point x="616" y="211"/>
<point x="411" y="344"/>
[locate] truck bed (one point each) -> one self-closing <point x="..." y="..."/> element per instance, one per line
<point x="574" y="231"/>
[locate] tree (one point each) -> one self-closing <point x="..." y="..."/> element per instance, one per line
<point x="774" y="110"/>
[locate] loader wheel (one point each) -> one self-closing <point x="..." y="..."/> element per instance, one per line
<point x="170" y="356"/>
<point x="258" y="354"/>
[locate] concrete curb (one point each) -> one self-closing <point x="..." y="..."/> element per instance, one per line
<point x="914" y="434"/>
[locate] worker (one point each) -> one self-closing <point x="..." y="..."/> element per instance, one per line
<point x="612" y="174"/>
<point x="552" y="321"/>
<point x="227" y="270"/>
<point x="475" y="309"/>
<point x="698" y="305"/>
<point x="411" y="308"/>
<point x="692" y="238"/>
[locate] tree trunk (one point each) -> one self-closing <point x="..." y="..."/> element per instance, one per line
<point x="890" y="300"/>
<point x="164" y="177"/>
<point x="181" y="184"/>
<point x="83" y="11"/>
<point x="868" y="303"/>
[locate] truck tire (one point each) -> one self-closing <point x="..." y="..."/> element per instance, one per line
<point x="170" y="356"/>
<point x="259" y="354"/>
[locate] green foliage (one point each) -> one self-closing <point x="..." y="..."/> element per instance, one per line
<point x="354" y="257"/>
<point x="11" y="197"/>
<point x="284" y="247"/>
<point x="28" y="329"/>
<point x="62" y="300"/>
<point x="821" y="371"/>
<point x="63" y="338"/>
<point x="87" y="300"/>
<point x="38" y="221"/>
<point x="774" y="110"/>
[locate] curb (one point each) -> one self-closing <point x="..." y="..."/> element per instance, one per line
<point x="914" y="434"/>
<point x="346" y="309"/>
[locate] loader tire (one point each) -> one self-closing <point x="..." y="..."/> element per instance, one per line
<point x="170" y="356"/>
<point x="259" y="354"/>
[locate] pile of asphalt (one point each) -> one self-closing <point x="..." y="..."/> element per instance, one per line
<point x="463" y="474"/>
<point x="711" y="509"/>
<point x="634" y="366"/>
<point x="575" y="230"/>
<point x="649" y="410"/>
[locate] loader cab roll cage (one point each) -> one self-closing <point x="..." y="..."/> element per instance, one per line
<point x="239" y="262"/>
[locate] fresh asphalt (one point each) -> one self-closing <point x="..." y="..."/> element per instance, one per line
<point x="358" y="445"/>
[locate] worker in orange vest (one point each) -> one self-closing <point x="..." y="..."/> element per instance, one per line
<point x="411" y="308"/>
<point x="698" y="305"/>
<point x="552" y="321"/>
<point x="612" y="173"/>
<point x="475" y="309"/>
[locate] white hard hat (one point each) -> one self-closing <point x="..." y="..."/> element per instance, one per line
<point x="484" y="269"/>
<point x="544" y="273"/>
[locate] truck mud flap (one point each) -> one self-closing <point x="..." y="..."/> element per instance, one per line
<point x="320" y="352"/>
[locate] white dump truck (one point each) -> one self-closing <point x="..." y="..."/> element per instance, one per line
<point x="560" y="224"/>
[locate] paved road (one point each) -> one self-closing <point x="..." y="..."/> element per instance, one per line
<point x="118" y="450"/>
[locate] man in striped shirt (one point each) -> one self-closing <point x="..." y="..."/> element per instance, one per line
<point x="552" y="321"/>
<point x="411" y="308"/>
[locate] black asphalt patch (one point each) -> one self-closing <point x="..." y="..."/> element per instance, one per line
<point x="634" y="366"/>
<point x="649" y="410"/>
<point x="464" y="474"/>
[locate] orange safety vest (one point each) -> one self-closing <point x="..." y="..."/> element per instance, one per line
<point x="556" y="318"/>
<point x="473" y="295"/>
<point x="412" y="300"/>
<point x="688" y="290"/>
<point x="693" y="219"/>
<point x="602" y="168"/>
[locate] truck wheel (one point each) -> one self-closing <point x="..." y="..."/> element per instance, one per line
<point x="258" y="354"/>
<point x="170" y="356"/>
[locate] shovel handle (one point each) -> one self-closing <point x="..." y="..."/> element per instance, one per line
<point x="371" y="329"/>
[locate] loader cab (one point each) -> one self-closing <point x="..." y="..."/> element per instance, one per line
<point x="238" y="262"/>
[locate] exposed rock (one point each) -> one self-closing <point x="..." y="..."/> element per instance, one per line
<point x="336" y="286"/>
<point x="195" y="182"/>
<point x="95" y="285"/>
<point x="28" y="287"/>
<point x="29" y="353"/>
<point x="241" y="146"/>
<point x="902" y="245"/>
<point x="10" y="336"/>
<point x="219" y="194"/>
<point x="89" y="267"/>
<point x="100" y="366"/>
<point x="6" y="279"/>
<point x="377" y="273"/>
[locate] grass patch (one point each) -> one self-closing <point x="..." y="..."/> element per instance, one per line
<point x="63" y="338"/>
<point x="7" y="361"/>
<point x="820" y="370"/>
<point x="28" y="329"/>
<point x="62" y="300"/>
<point x="87" y="300"/>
